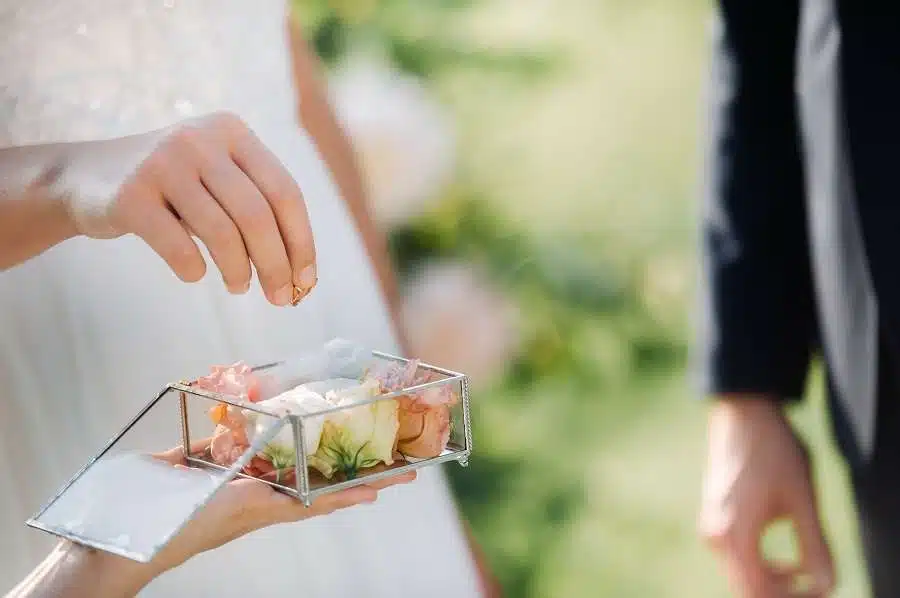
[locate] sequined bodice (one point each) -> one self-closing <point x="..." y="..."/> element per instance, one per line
<point x="84" y="69"/>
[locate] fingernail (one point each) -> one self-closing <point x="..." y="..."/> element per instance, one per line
<point x="234" y="289"/>
<point x="307" y="278"/>
<point x="239" y="289"/>
<point x="283" y="295"/>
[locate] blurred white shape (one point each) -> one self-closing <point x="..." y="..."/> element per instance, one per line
<point x="457" y="319"/>
<point x="184" y="107"/>
<point x="403" y="136"/>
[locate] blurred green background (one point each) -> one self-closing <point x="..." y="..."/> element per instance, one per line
<point x="572" y="189"/>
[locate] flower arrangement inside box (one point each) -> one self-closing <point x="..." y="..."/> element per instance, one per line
<point x="310" y="425"/>
<point x="371" y="414"/>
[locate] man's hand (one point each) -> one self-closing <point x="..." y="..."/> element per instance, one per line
<point x="758" y="472"/>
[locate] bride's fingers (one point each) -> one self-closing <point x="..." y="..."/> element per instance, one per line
<point x="286" y="200"/>
<point x="212" y="224"/>
<point x="329" y="503"/>
<point x="176" y="455"/>
<point x="392" y="481"/>
<point x="253" y="216"/>
<point x="294" y="510"/>
<point x="345" y="498"/>
<point x="147" y="215"/>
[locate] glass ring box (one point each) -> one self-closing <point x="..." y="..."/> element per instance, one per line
<point x="307" y="426"/>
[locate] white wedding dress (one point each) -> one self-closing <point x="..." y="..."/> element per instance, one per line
<point x="91" y="330"/>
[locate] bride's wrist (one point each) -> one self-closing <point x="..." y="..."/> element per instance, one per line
<point x="108" y="574"/>
<point x="80" y="572"/>
<point x="44" y="188"/>
<point x="64" y="186"/>
<point x="30" y="177"/>
<point x="59" y="218"/>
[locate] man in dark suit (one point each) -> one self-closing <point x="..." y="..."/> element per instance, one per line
<point x="801" y="228"/>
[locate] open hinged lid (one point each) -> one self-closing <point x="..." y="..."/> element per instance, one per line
<point x="131" y="499"/>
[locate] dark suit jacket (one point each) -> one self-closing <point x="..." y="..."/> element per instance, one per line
<point x="801" y="230"/>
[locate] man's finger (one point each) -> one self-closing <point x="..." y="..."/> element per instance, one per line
<point x="815" y="556"/>
<point x="748" y="572"/>
<point x="792" y="582"/>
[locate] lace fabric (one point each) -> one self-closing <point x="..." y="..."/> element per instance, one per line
<point x="87" y="69"/>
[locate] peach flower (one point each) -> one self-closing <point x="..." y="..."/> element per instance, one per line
<point x="262" y="468"/>
<point x="425" y="422"/>
<point x="229" y="440"/>
<point x="236" y="380"/>
<point x="424" y="431"/>
<point x="458" y="318"/>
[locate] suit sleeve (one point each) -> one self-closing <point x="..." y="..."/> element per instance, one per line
<point x="759" y="321"/>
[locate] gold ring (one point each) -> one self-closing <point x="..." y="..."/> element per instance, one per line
<point x="300" y="292"/>
<point x="298" y="295"/>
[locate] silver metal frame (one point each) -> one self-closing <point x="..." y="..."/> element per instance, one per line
<point x="302" y="490"/>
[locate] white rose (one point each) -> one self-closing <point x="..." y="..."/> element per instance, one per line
<point x="297" y="401"/>
<point x="357" y="437"/>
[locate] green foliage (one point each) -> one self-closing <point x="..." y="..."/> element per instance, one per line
<point x="558" y="283"/>
<point x="562" y="285"/>
<point x="413" y="34"/>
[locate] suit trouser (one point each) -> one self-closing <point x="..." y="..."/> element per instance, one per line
<point x="877" y="486"/>
<point x="878" y="504"/>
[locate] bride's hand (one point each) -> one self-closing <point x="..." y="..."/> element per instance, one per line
<point x="244" y="505"/>
<point x="238" y="508"/>
<point x="211" y="178"/>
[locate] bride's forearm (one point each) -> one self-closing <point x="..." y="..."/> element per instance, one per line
<point x="72" y="571"/>
<point x="33" y="217"/>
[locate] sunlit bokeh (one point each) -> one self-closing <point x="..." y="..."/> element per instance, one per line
<point x="536" y="165"/>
